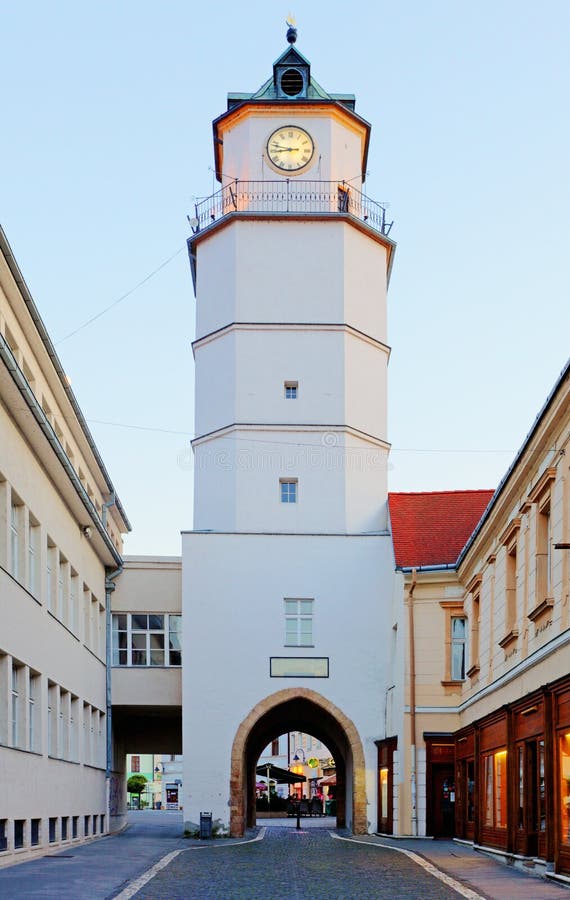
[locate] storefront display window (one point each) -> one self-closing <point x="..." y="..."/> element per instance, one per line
<point x="521" y="789"/>
<point x="495" y="774"/>
<point x="541" y="787"/>
<point x="384" y="792"/>
<point x="565" y="788"/>
<point x="471" y="790"/>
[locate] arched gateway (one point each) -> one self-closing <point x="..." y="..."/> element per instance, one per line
<point x="298" y="709"/>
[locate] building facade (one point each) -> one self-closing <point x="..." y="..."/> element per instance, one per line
<point x="61" y="527"/>
<point x="291" y="264"/>
<point x="485" y="688"/>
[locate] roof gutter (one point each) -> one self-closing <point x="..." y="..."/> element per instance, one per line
<point x="444" y="567"/>
<point x="37" y="320"/>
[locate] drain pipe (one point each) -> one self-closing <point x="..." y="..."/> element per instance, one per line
<point x="413" y="778"/>
<point x="110" y="576"/>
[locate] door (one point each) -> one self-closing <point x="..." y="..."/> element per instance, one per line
<point x="442" y="801"/>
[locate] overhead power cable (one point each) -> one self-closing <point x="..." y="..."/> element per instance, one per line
<point x="121" y="298"/>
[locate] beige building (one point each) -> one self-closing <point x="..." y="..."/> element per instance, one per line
<point x="485" y="732"/>
<point x="60" y="546"/>
<point x="146" y="676"/>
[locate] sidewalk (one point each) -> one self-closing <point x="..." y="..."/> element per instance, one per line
<point x="486" y="876"/>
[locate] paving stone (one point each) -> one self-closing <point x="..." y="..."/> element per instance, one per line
<point x="294" y="865"/>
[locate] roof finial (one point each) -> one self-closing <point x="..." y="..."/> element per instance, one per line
<point x="291" y="31"/>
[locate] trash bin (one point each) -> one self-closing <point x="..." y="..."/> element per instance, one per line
<point x="158" y="804"/>
<point x="205" y="825"/>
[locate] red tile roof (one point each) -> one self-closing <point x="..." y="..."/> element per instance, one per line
<point x="431" y="528"/>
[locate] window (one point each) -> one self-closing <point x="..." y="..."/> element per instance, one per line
<point x="298" y="623"/>
<point x="64" y="827"/>
<point x="35" y="832"/>
<point x="15" y="528"/>
<point x="73" y="595"/>
<point x="544" y="553"/>
<point x="174" y="640"/>
<point x="33" y="730"/>
<point x="291" y="388"/>
<point x="3" y="835"/>
<point x="52" y="829"/>
<point x="511" y="588"/>
<point x="74" y="827"/>
<point x="73" y="717"/>
<point x="15" y="706"/>
<point x="62" y="571"/>
<point x="53" y="698"/>
<point x="33" y="544"/>
<point x="19" y="833"/>
<point x="471" y="790"/>
<point x="541" y="494"/>
<point x="458" y="648"/>
<point x="147" y="639"/>
<point x="288" y="488"/>
<point x="495" y="787"/>
<point x="50" y="570"/>
<point x="86" y="820"/>
<point x="135" y="763"/>
<point x="275" y="747"/>
<point x="565" y="789"/>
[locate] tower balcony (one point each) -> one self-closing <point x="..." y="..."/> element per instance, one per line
<point x="293" y="197"/>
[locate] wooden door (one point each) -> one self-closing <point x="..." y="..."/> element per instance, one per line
<point x="442" y="811"/>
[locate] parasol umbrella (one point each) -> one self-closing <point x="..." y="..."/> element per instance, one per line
<point x="328" y="779"/>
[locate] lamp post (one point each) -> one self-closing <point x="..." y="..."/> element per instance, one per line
<point x="157" y="772"/>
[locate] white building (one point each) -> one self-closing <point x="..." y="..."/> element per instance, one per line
<point x="287" y="575"/>
<point x="60" y="550"/>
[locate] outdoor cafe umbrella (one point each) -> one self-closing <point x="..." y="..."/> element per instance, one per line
<point x="281" y="776"/>
<point x="328" y="779"/>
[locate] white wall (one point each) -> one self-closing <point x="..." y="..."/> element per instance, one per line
<point x="233" y="592"/>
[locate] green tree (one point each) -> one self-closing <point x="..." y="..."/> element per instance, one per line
<point x="136" y="784"/>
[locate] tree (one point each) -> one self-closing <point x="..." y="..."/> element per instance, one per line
<point x="136" y="784"/>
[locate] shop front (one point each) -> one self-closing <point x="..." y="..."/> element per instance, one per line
<point x="386" y="751"/>
<point x="512" y="775"/>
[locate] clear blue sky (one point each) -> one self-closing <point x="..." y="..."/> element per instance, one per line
<point x="106" y="140"/>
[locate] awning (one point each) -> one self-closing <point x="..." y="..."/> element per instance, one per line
<point x="281" y="776"/>
<point x="328" y="779"/>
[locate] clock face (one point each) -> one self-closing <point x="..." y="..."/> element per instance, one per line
<point x="290" y="148"/>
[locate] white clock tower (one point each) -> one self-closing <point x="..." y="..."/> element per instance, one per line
<point x="287" y="575"/>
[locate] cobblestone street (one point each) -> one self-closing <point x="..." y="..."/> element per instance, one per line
<point x="292" y="865"/>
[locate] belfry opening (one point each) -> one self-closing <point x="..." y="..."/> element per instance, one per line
<point x="298" y="709"/>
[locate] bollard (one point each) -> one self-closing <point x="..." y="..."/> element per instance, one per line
<point x="298" y="816"/>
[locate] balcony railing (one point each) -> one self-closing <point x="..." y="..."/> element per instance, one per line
<point x="290" y="196"/>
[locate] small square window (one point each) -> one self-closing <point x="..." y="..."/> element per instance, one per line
<point x="288" y="489"/>
<point x="291" y="389"/>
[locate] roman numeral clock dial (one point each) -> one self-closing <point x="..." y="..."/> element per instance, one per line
<point x="290" y="149"/>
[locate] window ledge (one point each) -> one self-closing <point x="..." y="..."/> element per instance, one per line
<point x="511" y="636"/>
<point x="473" y="670"/>
<point x="543" y="607"/>
<point x="452" y="682"/>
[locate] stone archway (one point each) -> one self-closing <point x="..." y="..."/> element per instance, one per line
<point x="341" y="733"/>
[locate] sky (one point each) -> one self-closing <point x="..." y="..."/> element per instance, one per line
<point x="106" y="142"/>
